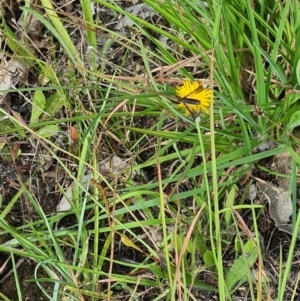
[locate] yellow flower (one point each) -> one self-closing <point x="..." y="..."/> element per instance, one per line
<point x="193" y="98"/>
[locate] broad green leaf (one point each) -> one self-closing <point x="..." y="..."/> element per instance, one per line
<point x="48" y="131"/>
<point x="241" y="266"/>
<point x="189" y="246"/>
<point x="53" y="104"/>
<point x="38" y="106"/>
<point x="209" y="258"/>
<point x="294" y="121"/>
<point x="177" y="241"/>
<point x="237" y="245"/>
<point x="201" y="244"/>
<point x="228" y="204"/>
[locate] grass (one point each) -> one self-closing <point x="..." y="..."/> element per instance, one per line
<point x="174" y="222"/>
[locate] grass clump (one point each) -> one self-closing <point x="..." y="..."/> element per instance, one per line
<point x="157" y="192"/>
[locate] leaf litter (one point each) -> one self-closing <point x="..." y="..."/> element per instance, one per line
<point x="279" y="196"/>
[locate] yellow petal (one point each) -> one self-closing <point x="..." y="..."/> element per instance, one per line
<point x="194" y="91"/>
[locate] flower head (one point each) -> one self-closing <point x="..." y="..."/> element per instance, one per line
<point x="193" y="98"/>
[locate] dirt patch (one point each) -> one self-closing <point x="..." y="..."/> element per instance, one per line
<point x="25" y="276"/>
